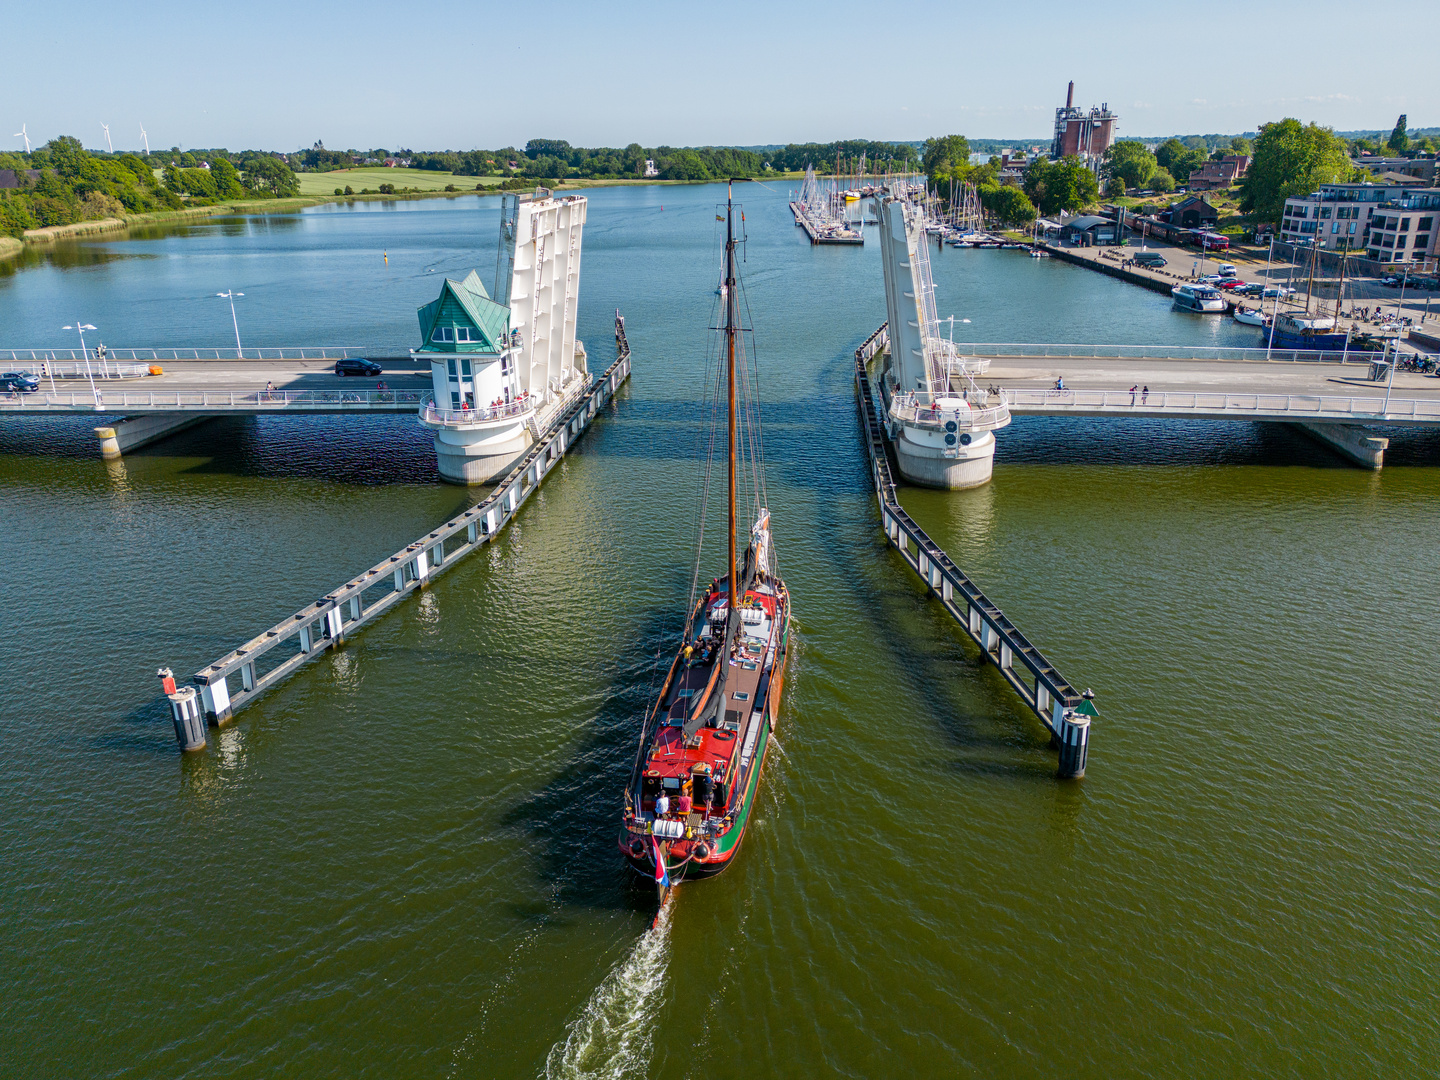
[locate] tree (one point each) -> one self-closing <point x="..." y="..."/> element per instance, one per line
<point x="683" y="165"/>
<point x="1162" y="180"/>
<point x="1166" y="153"/>
<point x="1290" y="160"/>
<point x="227" y="179"/>
<point x="1008" y="204"/>
<point x="1241" y="145"/>
<point x="1065" y="185"/>
<point x="1131" y="163"/>
<point x="1186" y="162"/>
<point x="267" y="174"/>
<point x="1399" y="139"/>
<point x="944" y="155"/>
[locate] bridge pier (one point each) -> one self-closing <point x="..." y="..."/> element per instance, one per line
<point x="133" y="432"/>
<point x="1350" y="441"/>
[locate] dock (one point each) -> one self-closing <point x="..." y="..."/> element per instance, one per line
<point x="824" y="235"/>
<point x="1064" y="711"/>
<point x="274" y="654"/>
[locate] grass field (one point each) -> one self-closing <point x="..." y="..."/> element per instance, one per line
<point x="423" y="179"/>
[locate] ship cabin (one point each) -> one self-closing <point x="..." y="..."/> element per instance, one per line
<point x="466" y="337"/>
<point x="713" y="766"/>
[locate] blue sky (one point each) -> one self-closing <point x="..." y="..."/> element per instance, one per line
<point x="436" y="74"/>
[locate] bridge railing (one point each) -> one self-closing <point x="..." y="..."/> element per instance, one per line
<point x="219" y="401"/>
<point x="288" y="352"/>
<point x="461" y="417"/>
<point x="981" y="419"/>
<point x="1064" y="351"/>
<point x="80" y="369"/>
<point x="1371" y="407"/>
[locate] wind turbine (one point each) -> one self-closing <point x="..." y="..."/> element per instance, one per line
<point x="108" y="144"/>
<point x="145" y="139"/>
<point x="23" y="134"/>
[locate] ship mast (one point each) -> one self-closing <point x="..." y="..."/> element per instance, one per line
<point x="731" y="322"/>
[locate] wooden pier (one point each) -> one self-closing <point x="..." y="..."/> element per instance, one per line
<point x="268" y="658"/>
<point x="1063" y="710"/>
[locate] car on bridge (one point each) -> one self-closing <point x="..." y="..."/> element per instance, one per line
<point x="367" y="368"/>
<point x="18" y="382"/>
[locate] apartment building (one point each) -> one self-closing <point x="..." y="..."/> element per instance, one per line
<point x="1336" y="216"/>
<point x="1403" y="229"/>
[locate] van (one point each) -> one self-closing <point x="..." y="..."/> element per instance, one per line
<point x="1227" y="270"/>
<point x="1149" y="258"/>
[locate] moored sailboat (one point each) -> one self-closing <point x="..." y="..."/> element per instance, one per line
<point x="704" y="740"/>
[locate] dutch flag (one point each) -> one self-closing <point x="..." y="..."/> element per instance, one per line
<point x="662" y="875"/>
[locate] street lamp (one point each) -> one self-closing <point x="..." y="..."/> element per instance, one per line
<point x="81" y="328"/>
<point x="231" y="294"/>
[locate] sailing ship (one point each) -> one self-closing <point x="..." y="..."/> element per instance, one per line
<point x="703" y="742"/>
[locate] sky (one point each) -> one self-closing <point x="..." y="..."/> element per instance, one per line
<point x="442" y="74"/>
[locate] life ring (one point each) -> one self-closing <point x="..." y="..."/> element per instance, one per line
<point x="702" y="851"/>
<point x="724" y="736"/>
<point x="637" y="848"/>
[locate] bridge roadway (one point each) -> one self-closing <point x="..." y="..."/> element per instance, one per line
<point x="216" y="387"/>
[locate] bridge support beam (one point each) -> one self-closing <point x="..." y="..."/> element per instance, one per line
<point x="133" y="432"/>
<point x="1349" y="441"/>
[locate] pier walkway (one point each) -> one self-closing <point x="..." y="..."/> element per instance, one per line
<point x="1063" y="710"/>
<point x="272" y="655"/>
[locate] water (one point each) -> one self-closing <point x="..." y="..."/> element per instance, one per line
<point x="402" y="862"/>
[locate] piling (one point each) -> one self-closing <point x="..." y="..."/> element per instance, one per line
<point x="184" y="711"/>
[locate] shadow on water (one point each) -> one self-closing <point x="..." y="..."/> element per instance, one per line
<point x="574" y="816"/>
<point x="923" y="644"/>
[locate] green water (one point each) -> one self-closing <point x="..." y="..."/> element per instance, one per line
<point x="402" y="862"/>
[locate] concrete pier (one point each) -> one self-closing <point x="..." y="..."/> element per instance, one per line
<point x="1350" y="441"/>
<point x="133" y="432"/>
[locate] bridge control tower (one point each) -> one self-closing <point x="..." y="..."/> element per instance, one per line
<point x="503" y="367"/>
<point x="941" y="423"/>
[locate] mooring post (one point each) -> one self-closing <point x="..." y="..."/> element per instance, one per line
<point x="184" y="711"/>
<point x="333" y="625"/>
<point x="1072" y="737"/>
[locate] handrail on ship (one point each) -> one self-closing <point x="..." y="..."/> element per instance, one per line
<point x="934" y="416"/>
<point x="1048" y="694"/>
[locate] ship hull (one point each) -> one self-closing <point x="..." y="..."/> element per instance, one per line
<point x="1316" y="342"/>
<point x="724" y="847"/>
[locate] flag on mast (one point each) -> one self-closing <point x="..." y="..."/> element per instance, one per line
<point x="662" y="873"/>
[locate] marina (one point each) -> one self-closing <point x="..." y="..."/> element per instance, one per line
<point x="403" y="856"/>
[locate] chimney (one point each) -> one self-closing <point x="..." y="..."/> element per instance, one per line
<point x="1070" y="95"/>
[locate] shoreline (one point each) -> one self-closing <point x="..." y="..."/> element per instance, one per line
<point x="38" y="238"/>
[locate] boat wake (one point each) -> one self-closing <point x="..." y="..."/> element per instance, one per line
<point x="612" y="1036"/>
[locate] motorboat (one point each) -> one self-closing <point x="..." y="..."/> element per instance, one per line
<point x="1251" y="317"/>
<point x="1201" y="299"/>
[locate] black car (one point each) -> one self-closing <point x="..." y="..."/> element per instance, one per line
<point x="368" y="368"/>
<point x="18" y="381"/>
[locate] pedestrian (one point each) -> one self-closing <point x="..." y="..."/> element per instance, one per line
<point x="1144" y="395"/>
<point x="1132" y="393"/>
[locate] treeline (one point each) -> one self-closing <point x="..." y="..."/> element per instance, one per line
<point x="556" y="159"/>
<point x="62" y="183"/>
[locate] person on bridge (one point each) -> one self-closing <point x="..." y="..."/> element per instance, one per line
<point x="1060" y="382"/>
<point x="1144" y="395"/>
<point x="1132" y="393"/>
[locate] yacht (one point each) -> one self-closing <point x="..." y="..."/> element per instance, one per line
<point x="1202" y="299"/>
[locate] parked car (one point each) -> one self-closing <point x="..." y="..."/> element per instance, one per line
<point x="1251" y="288"/>
<point x="1211" y="279"/>
<point x="1232" y="284"/>
<point x="1149" y="258"/>
<point x="368" y="368"/>
<point x="18" y="382"/>
<point x="1277" y="290"/>
<point x="1227" y="270"/>
<point x="1392" y="281"/>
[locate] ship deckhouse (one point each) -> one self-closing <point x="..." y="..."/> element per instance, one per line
<point x="466" y="337"/>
